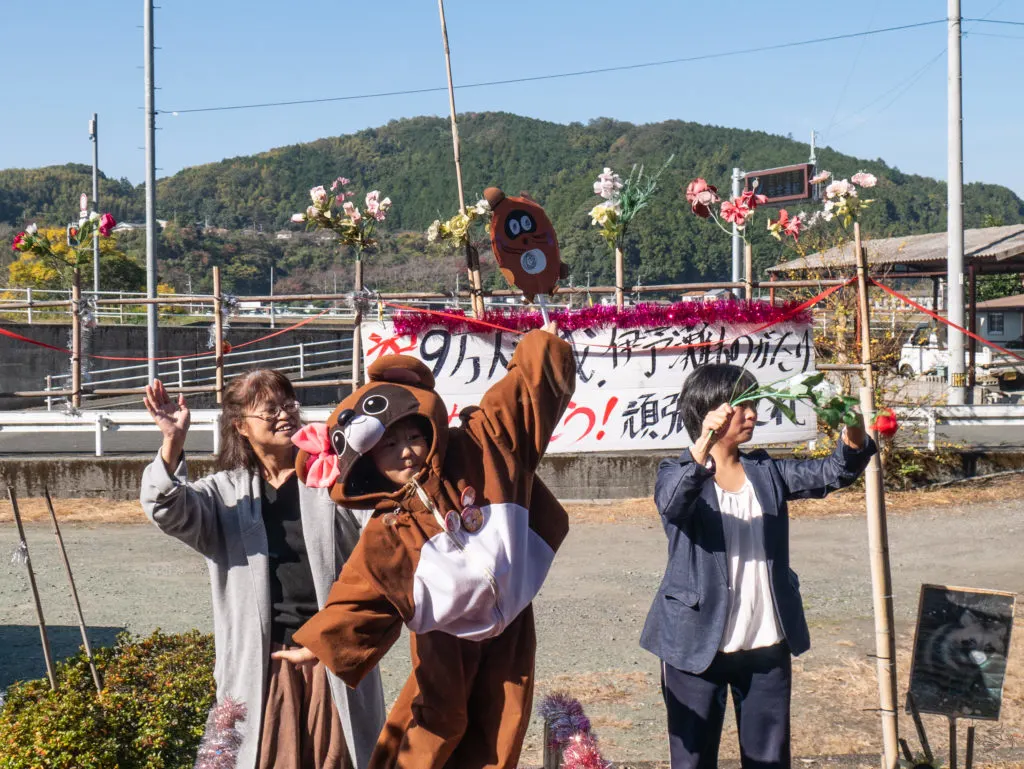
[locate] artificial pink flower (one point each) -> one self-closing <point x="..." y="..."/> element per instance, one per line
<point x="319" y="195"/>
<point x="107" y="225"/>
<point x="821" y="176"/>
<point x="701" y="197"/>
<point x="778" y="227"/>
<point x="736" y="211"/>
<point x="341" y="181"/>
<point x="794" y="227"/>
<point x="322" y="463"/>
<point x="351" y="211"/>
<point x="864" y="179"/>
<point x="19" y="241"/>
<point x="298" y="218"/>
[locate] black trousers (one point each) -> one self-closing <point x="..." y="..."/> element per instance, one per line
<point x="761" y="683"/>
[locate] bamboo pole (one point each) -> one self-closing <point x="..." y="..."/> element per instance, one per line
<point x="878" y="536"/>
<point x="472" y="258"/>
<point x="620" y="279"/>
<point x="76" y="340"/>
<point x="47" y="655"/>
<point x="218" y="340"/>
<point x="74" y="592"/>
<point x="357" y="333"/>
<point x="748" y="271"/>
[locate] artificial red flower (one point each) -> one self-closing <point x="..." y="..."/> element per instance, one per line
<point x="736" y="211"/>
<point x="752" y="200"/>
<point x="74" y="232"/>
<point x="107" y="224"/>
<point x="701" y="197"/>
<point x="19" y="239"/>
<point x="885" y="423"/>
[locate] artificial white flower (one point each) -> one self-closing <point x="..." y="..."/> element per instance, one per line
<point x="32" y="229"/>
<point x="298" y="218"/>
<point x="319" y="195"/>
<point x="433" y="231"/>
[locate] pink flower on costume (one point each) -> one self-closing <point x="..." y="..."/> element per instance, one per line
<point x="701" y="197"/>
<point x="735" y="212"/>
<point x="322" y="463"/>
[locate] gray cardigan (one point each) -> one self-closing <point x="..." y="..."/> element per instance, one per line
<point x="219" y="516"/>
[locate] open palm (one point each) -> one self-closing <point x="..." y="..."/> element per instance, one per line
<point x="171" y="416"/>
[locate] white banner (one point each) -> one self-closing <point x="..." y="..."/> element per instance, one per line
<point x="628" y="381"/>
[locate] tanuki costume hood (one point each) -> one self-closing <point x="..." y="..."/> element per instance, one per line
<point x="400" y="386"/>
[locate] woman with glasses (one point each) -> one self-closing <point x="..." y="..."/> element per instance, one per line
<point x="273" y="548"/>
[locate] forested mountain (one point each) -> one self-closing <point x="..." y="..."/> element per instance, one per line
<point x="411" y="161"/>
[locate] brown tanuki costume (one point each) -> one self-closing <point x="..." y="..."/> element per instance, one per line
<point x="463" y="586"/>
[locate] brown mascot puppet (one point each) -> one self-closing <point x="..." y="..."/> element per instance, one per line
<point x="524" y="244"/>
<point x="457" y="552"/>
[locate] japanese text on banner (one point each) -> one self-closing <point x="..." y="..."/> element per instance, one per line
<point x="627" y="392"/>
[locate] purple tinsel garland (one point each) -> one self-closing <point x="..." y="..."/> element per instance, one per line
<point x="565" y="718"/>
<point x="733" y="312"/>
<point x="223" y="737"/>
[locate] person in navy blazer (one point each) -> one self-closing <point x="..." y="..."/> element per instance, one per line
<point x="728" y="613"/>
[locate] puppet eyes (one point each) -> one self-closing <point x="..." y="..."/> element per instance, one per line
<point x="375" y="404"/>
<point x="518" y="223"/>
<point x="338" y="441"/>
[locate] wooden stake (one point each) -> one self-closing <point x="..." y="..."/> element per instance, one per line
<point x="878" y="536"/>
<point x="552" y="756"/>
<point x="74" y="592"/>
<point x="357" y="332"/>
<point x="748" y="271"/>
<point x="218" y="331"/>
<point x="969" y="754"/>
<point x="472" y="259"/>
<point x="76" y="340"/>
<point x="620" y="270"/>
<point x="47" y="656"/>
<point x="952" y="743"/>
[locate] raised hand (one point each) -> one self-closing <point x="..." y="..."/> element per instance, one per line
<point x="172" y="417"/>
<point x="715" y="420"/>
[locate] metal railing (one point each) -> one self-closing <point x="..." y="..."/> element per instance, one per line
<point x="299" y="361"/>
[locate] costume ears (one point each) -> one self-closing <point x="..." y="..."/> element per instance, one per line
<point x="401" y="369"/>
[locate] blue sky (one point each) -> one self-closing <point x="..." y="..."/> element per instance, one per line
<point x="874" y="97"/>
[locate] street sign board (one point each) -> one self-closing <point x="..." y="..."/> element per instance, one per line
<point x="783" y="184"/>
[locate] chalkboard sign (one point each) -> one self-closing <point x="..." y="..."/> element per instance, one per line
<point x="960" y="650"/>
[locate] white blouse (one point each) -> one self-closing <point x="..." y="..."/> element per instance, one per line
<point x="751" y="623"/>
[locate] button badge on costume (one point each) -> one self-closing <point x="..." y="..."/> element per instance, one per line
<point x="472" y="516"/>
<point x="452" y="522"/>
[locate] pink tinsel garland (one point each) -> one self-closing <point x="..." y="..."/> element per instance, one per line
<point x="223" y="737"/>
<point x="733" y="312"/>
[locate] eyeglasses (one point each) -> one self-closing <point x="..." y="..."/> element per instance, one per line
<point x="291" y="408"/>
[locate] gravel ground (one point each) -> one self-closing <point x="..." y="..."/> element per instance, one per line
<point x="589" y="616"/>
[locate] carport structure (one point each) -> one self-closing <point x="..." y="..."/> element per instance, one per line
<point x="987" y="251"/>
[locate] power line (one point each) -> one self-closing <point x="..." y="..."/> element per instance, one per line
<point x="899" y="89"/>
<point x="997" y="21"/>
<point x="579" y="73"/>
<point x="849" y="76"/>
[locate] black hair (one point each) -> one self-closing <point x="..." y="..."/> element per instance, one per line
<point x="707" y="388"/>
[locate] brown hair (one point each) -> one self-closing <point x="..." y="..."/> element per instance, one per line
<point x="241" y="394"/>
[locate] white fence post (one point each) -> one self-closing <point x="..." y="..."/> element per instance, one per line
<point x="216" y="435"/>
<point x="302" y="361"/>
<point x="49" y="398"/>
<point x="120" y="308"/>
<point x="28" y="296"/>
<point x="931" y="429"/>
<point x="181" y="373"/>
<point x="99" y="435"/>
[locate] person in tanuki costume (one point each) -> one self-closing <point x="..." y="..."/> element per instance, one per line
<point x="728" y="613"/>
<point x="273" y="547"/>
<point x="461" y="540"/>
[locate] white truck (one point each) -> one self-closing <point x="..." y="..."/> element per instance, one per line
<point x="925" y="354"/>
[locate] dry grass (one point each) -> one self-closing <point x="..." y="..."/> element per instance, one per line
<point x="616" y="511"/>
<point x="849" y="502"/>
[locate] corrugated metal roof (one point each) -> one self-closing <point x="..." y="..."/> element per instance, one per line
<point x="1003" y="303"/>
<point x="985" y="244"/>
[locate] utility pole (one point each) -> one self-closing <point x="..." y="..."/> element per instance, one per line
<point x="737" y="241"/>
<point x="955" y="209"/>
<point x="151" y="308"/>
<point x="95" y="138"/>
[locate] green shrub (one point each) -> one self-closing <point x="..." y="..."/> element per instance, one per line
<point x="156" y="694"/>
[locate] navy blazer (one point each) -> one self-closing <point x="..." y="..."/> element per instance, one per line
<point x="686" y="623"/>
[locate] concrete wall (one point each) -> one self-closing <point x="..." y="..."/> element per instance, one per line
<point x="570" y="476"/>
<point x="1012" y="325"/>
<point x="24" y="366"/>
